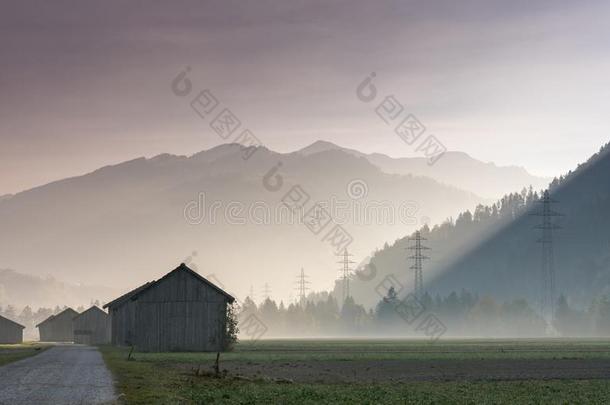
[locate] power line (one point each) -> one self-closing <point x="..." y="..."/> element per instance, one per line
<point x="418" y="258"/>
<point x="547" y="296"/>
<point x="252" y="293"/>
<point x="302" y="286"/>
<point x="266" y="292"/>
<point x="345" y="272"/>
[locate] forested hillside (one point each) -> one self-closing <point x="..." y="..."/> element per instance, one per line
<point x="493" y="251"/>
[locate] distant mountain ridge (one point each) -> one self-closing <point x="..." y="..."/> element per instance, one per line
<point x="125" y="224"/>
<point x="454" y="168"/>
<point x="20" y="290"/>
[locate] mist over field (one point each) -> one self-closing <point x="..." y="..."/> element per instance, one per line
<point x="295" y="155"/>
<point x="304" y="202"/>
<point x="481" y="273"/>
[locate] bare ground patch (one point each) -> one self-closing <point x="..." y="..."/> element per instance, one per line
<point x="383" y="371"/>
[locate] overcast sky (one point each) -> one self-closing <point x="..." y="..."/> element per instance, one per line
<point x="86" y="84"/>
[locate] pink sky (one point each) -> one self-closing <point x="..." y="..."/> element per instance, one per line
<point x="86" y="85"/>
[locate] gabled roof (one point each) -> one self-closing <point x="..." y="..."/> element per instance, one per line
<point x="135" y="293"/>
<point x="185" y="268"/>
<point x="46" y="320"/>
<point x="59" y="314"/>
<point x="123" y="298"/>
<point x="12" y="322"/>
<point x="94" y="308"/>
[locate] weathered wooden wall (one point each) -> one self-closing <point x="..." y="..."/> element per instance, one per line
<point x="123" y="320"/>
<point x="59" y="328"/>
<point x="180" y="314"/>
<point x="92" y="327"/>
<point x="10" y="332"/>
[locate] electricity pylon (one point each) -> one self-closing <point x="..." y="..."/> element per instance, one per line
<point x="266" y="292"/>
<point x="418" y="258"/>
<point x="547" y="296"/>
<point x="345" y="272"/>
<point x="302" y="287"/>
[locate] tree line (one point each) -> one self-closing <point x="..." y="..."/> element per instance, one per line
<point x="463" y="314"/>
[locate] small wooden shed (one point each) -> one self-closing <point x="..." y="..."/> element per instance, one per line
<point x="181" y="311"/>
<point x="58" y="328"/>
<point x="92" y="327"/>
<point x="10" y="331"/>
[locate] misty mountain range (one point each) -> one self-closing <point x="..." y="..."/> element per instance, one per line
<point x="20" y="290"/>
<point x="454" y="168"/>
<point x="125" y="224"/>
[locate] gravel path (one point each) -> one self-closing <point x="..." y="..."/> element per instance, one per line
<point x="67" y="374"/>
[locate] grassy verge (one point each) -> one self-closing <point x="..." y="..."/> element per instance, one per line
<point x="11" y="353"/>
<point x="162" y="379"/>
<point x="144" y="382"/>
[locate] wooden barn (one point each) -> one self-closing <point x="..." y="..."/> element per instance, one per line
<point x="122" y="313"/>
<point x="58" y="328"/>
<point x="180" y="312"/>
<point x="10" y="332"/>
<point x="92" y="327"/>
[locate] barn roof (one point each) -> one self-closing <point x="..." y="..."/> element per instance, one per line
<point x="188" y="270"/>
<point x="93" y="308"/>
<point x="125" y="297"/>
<point x="58" y="315"/>
<point x="12" y="322"/>
<point x="46" y="320"/>
<point x="185" y="268"/>
<point x="133" y="294"/>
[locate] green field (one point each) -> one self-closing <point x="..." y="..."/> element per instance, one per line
<point x="353" y="349"/>
<point x="10" y="353"/>
<point x="188" y="377"/>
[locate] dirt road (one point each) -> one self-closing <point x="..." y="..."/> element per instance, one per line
<point x="68" y="374"/>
